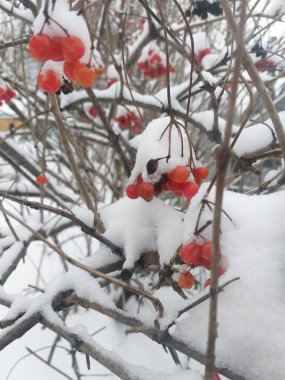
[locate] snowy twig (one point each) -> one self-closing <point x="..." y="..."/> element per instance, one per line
<point x="223" y="154"/>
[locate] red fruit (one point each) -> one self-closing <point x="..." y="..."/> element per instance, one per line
<point x="202" y="53"/>
<point x="132" y="191"/>
<point x="41" y="179"/>
<point x="221" y="271"/>
<point x="175" y="187"/>
<point x="146" y="191"/>
<point x="83" y="74"/>
<point x="205" y="263"/>
<point x="190" y="254"/>
<point x="92" y="111"/>
<point x="200" y="173"/>
<point x="139" y="179"/>
<point x="180" y="174"/>
<point x="186" y="280"/>
<point x="72" y="48"/>
<point x="56" y="54"/>
<point x="189" y="190"/>
<point x="206" y="250"/>
<point x="68" y="69"/>
<point x="41" y="47"/>
<point x="2" y="91"/>
<point x="49" y="81"/>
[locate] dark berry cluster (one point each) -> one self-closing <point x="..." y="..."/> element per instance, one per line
<point x="203" y="7"/>
<point x="259" y="51"/>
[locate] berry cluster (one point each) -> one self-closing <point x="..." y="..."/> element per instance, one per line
<point x="179" y="181"/>
<point x="201" y="54"/>
<point x="130" y="121"/>
<point x="70" y="50"/>
<point x="195" y="255"/>
<point x="259" y="51"/>
<point x="203" y="7"/>
<point x="153" y="66"/>
<point x="6" y="94"/>
<point x="265" y="64"/>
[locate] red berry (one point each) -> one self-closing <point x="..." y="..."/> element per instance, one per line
<point x="190" y="254"/>
<point x="56" y="54"/>
<point x="132" y="191"/>
<point x="175" y="187"/>
<point x="40" y="47"/>
<point x="72" y="48"/>
<point x="206" y="250"/>
<point x="49" y="81"/>
<point x="146" y="191"/>
<point x="68" y="69"/>
<point x="189" y="190"/>
<point x="202" y="53"/>
<point x="186" y="280"/>
<point x="83" y="74"/>
<point x="92" y="111"/>
<point x="41" y="179"/>
<point x="200" y="173"/>
<point x="180" y="174"/>
<point x="2" y="90"/>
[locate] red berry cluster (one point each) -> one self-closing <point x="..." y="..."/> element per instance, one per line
<point x="68" y="49"/>
<point x="130" y="121"/>
<point x="176" y="181"/>
<point x="265" y="64"/>
<point x="6" y="94"/>
<point x="202" y="53"/>
<point x="196" y="255"/>
<point x="153" y="66"/>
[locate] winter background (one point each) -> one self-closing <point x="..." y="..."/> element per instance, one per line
<point x="251" y="309"/>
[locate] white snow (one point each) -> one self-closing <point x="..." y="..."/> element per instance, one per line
<point x="145" y="226"/>
<point x="250" y="315"/>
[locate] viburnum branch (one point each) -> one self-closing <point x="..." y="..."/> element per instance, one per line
<point x="70" y="155"/>
<point x="223" y="154"/>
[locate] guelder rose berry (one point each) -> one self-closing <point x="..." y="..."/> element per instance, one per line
<point x="83" y="74"/>
<point x="186" y="280"/>
<point x="72" y="48"/>
<point x="41" y="180"/>
<point x="180" y="174"/>
<point x="49" y="81"/>
<point x="40" y="47"/>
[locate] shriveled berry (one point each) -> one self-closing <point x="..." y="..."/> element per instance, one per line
<point x="186" y="280"/>
<point x="146" y="191"/>
<point x="180" y="174"/>
<point x="49" y="81"/>
<point x="132" y="191"/>
<point x="151" y="166"/>
<point x="72" y="48"/>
